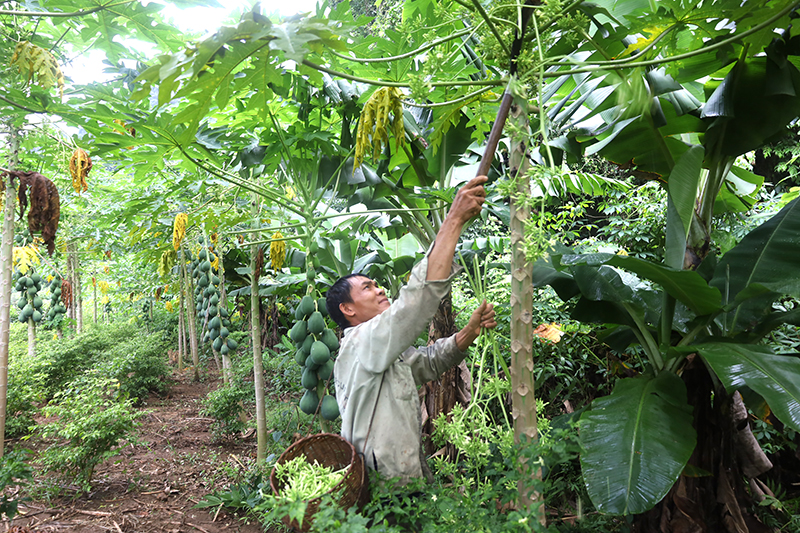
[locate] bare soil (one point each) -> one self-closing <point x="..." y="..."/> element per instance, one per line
<point x="153" y="487"/>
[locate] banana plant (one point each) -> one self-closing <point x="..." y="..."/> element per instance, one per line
<point x="692" y="310"/>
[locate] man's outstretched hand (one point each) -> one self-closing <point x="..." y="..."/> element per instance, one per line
<point x="467" y="204"/>
<point x="482" y="317"/>
<point x="468" y="201"/>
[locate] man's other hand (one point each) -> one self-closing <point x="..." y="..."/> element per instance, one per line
<point x="482" y="317"/>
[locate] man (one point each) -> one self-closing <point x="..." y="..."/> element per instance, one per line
<point x="377" y="371"/>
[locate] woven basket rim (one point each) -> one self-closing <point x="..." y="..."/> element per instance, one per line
<point x="316" y="436"/>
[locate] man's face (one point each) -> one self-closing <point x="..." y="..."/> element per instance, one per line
<point x="369" y="300"/>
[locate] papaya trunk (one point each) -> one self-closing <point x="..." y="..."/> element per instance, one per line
<point x="6" y="250"/>
<point x="31" y="337"/>
<point x="181" y="321"/>
<point x="227" y="367"/>
<point x="523" y="401"/>
<point x="191" y="322"/>
<point x="94" y="297"/>
<point x="255" y="338"/>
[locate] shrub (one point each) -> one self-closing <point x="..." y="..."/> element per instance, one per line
<point x="13" y="471"/>
<point x="63" y="361"/>
<point x="139" y="366"/>
<point x="91" y="419"/>
<point x="226" y="406"/>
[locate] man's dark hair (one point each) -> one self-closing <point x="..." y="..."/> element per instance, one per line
<point x="339" y="293"/>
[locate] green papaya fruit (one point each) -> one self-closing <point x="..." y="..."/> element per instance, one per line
<point x="309" y="379"/>
<point x="232" y="344"/>
<point x="223" y="312"/>
<point x="22" y="302"/>
<point x="32" y="291"/>
<point x="37" y="316"/>
<point x="28" y="281"/>
<point x="212" y="310"/>
<point x="213" y="334"/>
<point x="205" y="266"/>
<point x="330" y="408"/>
<point x="311" y="275"/>
<point x="27" y="310"/>
<point x="306" y="306"/>
<point x="37" y="302"/>
<point x="21" y="318"/>
<point x="309" y="340"/>
<point x="203" y="281"/>
<point x="223" y="332"/>
<point x="217" y="343"/>
<point x="202" y="254"/>
<point x="57" y="292"/>
<point x="319" y="353"/>
<point x="36" y="277"/>
<point x="299" y="331"/>
<point x="224" y="350"/>
<point x="325" y="371"/>
<point x="322" y="306"/>
<point x="316" y="324"/>
<point x="214" y="299"/>
<point x="214" y="323"/>
<point x="300" y="356"/>
<point x="330" y="339"/>
<point x="309" y="402"/>
<point x="215" y="280"/>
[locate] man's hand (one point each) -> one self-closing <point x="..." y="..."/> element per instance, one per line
<point x="467" y="204"/>
<point x="482" y="317"/>
<point x="468" y="201"/>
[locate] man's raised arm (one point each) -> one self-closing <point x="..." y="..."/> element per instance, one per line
<point x="467" y="204"/>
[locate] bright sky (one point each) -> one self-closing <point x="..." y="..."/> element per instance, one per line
<point x="199" y="20"/>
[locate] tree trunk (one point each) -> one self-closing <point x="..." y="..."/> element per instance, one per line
<point x="523" y="402"/>
<point x="227" y="366"/>
<point x="31" y="337"/>
<point x="190" y="320"/>
<point x="6" y="250"/>
<point x="94" y="296"/>
<point x="440" y="396"/>
<point x="255" y="336"/>
<point x="181" y="320"/>
<point x="77" y="299"/>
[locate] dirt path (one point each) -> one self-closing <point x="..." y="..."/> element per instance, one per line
<point x="153" y="487"/>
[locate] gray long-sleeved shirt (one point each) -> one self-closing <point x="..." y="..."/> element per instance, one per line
<point x="377" y="363"/>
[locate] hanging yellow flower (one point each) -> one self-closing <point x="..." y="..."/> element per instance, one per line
<point x="103" y="287"/>
<point x="79" y="166"/>
<point x="215" y="262"/>
<point x="277" y="251"/>
<point x="169" y="307"/>
<point x="179" y="229"/>
<point x="24" y="258"/>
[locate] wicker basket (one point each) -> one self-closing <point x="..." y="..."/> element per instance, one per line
<point x="328" y="450"/>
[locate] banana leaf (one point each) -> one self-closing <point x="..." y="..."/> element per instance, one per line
<point x="636" y="443"/>
<point x="775" y="377"/>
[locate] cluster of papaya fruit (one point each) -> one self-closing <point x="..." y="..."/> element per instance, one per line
<point x="29" y="303"/>
<point x="315" y="343"/>
<point x="207" y="296"/>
